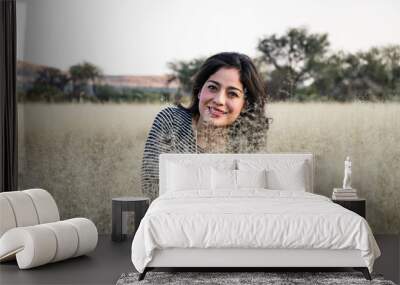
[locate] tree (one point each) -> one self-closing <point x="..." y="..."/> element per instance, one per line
<point x="52" y="76"/>
<point x="292" y="57"/>
<point x="106" y="93"/>
<point x="330" y="80"/>
<point x="183" y="72"/>
<point x="391" y="59"/>
<point x="83" y="75"/>
<point x="47" y="93"/>
<point x="371" y="75"/>
<point x="49" y="85"/>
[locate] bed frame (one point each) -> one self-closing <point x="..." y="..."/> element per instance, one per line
<point x="246" y="258"/>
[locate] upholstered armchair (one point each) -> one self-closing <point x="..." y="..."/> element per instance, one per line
<point x="31" y="230"/>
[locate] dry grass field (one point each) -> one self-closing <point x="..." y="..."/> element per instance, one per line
<point x="85" y="154"/>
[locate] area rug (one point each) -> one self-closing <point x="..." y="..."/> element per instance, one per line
<point x="269" y="278"/>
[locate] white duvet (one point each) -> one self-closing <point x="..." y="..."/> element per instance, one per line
<point x="252" y="218"/>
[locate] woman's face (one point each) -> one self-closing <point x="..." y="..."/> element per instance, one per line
<point x="221" y="98"/>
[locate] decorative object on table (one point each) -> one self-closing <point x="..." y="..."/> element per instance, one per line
<point x="32" y="233"/>
<point x="347" y="192"/>
<point x="347" y="174"/>
<point x="357" y="206"/>
<point x="243" y="278"/>
<point x="120" y="207"/>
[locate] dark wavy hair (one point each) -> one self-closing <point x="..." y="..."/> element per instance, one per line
<point x="248" y="132"/>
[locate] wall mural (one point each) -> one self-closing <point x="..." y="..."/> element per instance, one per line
<point x="87" y="136"/>
<point x="226" y="115"/>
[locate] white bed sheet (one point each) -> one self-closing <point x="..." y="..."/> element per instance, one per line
<point x="250" y="218"/>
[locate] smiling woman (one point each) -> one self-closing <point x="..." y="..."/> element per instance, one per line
<point x="226" y="115"/>
<point x="222" y="98"/>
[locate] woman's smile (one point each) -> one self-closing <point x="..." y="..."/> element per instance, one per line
<point x="215" y="112"/>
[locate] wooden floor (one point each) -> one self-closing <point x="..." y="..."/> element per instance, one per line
<point x="111" y="259"/>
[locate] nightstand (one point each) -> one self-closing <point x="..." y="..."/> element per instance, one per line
<point x="120" y="205"/>
<point x="356" y="205"/>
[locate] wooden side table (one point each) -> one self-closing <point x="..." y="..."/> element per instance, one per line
<point x="358" y="205"/>
<point x="138" y="205"/>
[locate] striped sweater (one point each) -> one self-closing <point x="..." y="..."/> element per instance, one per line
<point x="171" y="132"/>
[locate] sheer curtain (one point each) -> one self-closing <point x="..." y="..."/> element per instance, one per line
<point x="8" y="100"/>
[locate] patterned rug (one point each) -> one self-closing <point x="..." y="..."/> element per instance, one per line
<point x="269" y="278"/>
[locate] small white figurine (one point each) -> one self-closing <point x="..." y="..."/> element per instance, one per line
<point x="347" y="174"/>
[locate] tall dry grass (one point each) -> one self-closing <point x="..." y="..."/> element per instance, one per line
<point x="85" y="154"/>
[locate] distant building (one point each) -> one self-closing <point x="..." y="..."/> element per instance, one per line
<point x="27" y="73"/>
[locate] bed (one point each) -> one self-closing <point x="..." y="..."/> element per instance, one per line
<point x="247" y="210"/>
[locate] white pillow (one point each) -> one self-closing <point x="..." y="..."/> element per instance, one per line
<point x="251" y="178"/>
<point x="182" y="177"/>
<point x="281" y="174"/>
<point x="223" y="179"/>
<point x="290" y="176"/>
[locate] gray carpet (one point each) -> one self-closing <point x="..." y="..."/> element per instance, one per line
<point x="269" y="278"/>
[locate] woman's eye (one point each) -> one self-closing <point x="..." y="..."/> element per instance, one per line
<point x="212" y="87"/>
<point x="233" y="94"/>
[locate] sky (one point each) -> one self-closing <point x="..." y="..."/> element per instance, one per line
<point x="139" y="37"/>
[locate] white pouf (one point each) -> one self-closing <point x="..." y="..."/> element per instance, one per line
<point x="31" y="232"/>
